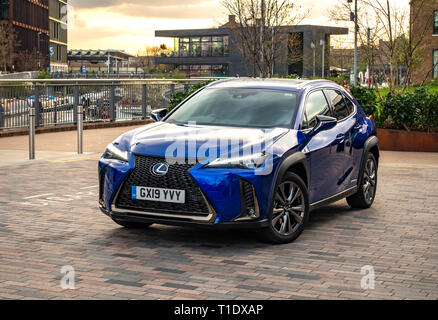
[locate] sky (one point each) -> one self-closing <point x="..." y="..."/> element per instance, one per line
<point x="129" y="25"/>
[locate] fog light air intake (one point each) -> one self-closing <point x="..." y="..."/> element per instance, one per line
<point x="250" y="207"/>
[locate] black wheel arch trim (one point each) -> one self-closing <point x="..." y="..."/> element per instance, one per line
<point x="294" y="159"/>
<point x="369" y="144"/>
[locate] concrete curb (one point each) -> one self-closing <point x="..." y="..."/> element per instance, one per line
<point x="72" y="127"/>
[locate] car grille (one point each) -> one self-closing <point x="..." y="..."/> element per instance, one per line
<point x="178" y="177"/>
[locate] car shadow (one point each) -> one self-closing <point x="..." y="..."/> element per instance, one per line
<point x="159" y="236"/>
<point x="330" y="212"/>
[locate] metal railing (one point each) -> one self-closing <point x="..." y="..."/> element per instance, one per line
<point x="37" y="103"/>
<point x="56" y="101"/>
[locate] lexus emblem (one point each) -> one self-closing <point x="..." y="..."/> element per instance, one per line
<point x="160" y="169"/>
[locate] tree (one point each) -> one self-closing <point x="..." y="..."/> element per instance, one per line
<point x="8" y="42"/>
<point x="146" y="58"/>
<point x="387" y="40"/>
<point x="259" y="31"/>
<point x="27" y="60"/>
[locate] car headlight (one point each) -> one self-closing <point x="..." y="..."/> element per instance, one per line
<point x="252" y="161"/>
<point x="112" y="152"/>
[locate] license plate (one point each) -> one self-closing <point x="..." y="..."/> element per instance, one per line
<point x="158" y="194"/>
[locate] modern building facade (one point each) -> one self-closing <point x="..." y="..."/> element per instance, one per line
<point x="215" y="52"/>
<point x="58" y="35"/>
<point x="98" y="61"/>
<point x="424" y="16"/>
<point x="29" y="20"/>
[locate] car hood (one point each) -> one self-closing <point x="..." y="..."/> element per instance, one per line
<point x="176" y="140"/>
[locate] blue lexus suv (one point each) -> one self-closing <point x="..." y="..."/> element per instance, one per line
<point x="244" y="153"/>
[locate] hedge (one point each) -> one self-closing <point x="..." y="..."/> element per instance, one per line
<point x="416" y="110"/>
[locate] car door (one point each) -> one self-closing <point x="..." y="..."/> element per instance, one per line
<point x="343" y="111"/>
<point x="322" y="150"/>
<point x="354" y="126"/>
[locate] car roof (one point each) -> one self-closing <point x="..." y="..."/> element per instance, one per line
<point x="278" y="84"/>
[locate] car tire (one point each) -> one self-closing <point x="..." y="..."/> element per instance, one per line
<point x="366" y="193"/>
<point x="132" y="225"/>
<point x="289" y="210"/>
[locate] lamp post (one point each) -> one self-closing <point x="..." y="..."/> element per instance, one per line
<point x="272" y="52"/>
<point x="356" y="29"/>
<point x="312" y="45"/>
<point x="322" y="42"/>
<point x="355" y="42"/>
<point x="262" y="30"/>
<point x="368" y="63"/>
<point x="39" y="50"/>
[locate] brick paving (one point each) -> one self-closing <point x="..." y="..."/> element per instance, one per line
<point x="49" y="218"/>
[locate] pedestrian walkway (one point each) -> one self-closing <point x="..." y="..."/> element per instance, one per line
<point x="50" y="220"/>
<point x="58" y="145"/>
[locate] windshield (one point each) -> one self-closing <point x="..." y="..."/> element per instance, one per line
<point x="238" y="107"/>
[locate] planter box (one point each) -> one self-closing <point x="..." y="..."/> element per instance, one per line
<point x="414" y="141"/>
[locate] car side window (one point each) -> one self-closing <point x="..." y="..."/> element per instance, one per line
<point x="341" y="109"/>
<point x="349" y="103"/>
<point x="316" y="105"/>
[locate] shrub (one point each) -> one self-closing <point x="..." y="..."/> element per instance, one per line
<point x="339" y="80"/>
<point x="178" y="97"/>
<point x="43" y="75"/>
<point x="367" y="98"/>
<point x="416" y="110"/>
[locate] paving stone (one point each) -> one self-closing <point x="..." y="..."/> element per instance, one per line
<point x="397" y="237"/>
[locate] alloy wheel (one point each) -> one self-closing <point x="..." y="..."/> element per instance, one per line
<point x="289" y="208"/>
<point x="369" y="180"/>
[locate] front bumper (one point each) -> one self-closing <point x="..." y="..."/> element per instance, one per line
<point x="145" y="217"/>
<point x="216" y="196"/>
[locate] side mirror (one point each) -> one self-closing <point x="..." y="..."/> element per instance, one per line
<point x="158" y="114"/>
<point x="323" y="123"/>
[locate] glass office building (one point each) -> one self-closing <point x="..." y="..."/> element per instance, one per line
<point x="216" y="51"/>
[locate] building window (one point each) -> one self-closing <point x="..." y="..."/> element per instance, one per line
<point x="435" y="22"/>
<point x="206" y="70"/>
<point x="202" y="46"/>
<point x="4" y="9"/>
<point x="435" y="64"/>
<point x="206" y="47"/>
<point x="184" y="47"/>
<point x="195" y="47"/>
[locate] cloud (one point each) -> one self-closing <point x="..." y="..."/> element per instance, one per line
<point x="182" y="11"/>
<point x="130" y="24"/>
<point x="81" y="4"/>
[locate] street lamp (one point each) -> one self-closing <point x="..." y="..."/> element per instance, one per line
<point x="262" y="30"/>
<point x="322" y="43"/>
<point x="39" y="50"/>
<point x="356" y="29"/>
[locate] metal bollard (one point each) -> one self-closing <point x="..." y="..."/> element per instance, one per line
<point x="31" y="133"/>
<point x="80" y="123"/>
<point x="144" y="107"/>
